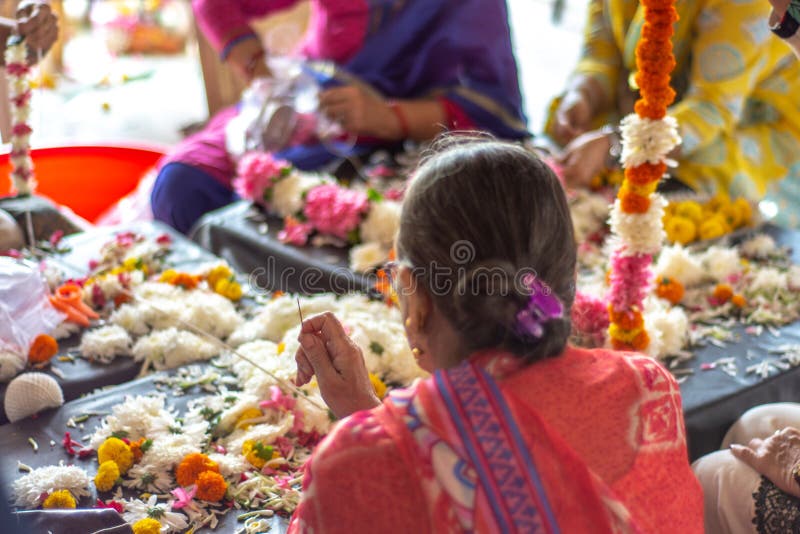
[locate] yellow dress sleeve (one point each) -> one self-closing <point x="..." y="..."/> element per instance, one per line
<point x="600" y="56"/>
<point x="729" y="57"/>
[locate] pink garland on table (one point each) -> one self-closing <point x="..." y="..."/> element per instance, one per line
<point x="334" y="210"/>
<point x="20" y="96"/>
<point x="257" y="173"/>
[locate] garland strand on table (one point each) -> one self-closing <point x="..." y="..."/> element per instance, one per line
<point x="20" y="97"/>
<point x="648" y="136"/>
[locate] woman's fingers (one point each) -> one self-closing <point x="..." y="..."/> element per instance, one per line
<point x="745" y="454"/>
<point x="304" y="369"/>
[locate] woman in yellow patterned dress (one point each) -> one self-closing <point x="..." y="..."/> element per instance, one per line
<point x="737" y="103"/>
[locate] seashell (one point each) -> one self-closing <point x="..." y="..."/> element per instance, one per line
<point x="31" y="393"/>
<point x="10" y="232"/>
<point x="11" y="363"/>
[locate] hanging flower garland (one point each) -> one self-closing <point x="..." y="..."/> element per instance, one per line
<point x="648" y="136"/>
<point x="20" y="96"/>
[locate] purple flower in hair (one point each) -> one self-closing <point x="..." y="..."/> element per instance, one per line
<point x="543" y="306"/>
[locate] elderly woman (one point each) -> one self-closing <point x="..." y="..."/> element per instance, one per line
<point x="515" y="431"/>
<point x="736" y="107"/>
<point x="405" y="69"/>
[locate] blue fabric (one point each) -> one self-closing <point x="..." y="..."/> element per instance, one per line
<point x="460" y="49"/>
<point x="182" y="194"/>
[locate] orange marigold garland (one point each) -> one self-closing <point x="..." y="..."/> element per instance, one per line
<point x="636" y="218"/>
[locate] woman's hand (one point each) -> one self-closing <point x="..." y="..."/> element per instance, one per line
<point x="361" y="112"/>
<point x="584" y="158"/>
<point x="779" y="6"/>
<point x="38" y="24"/>
<point x="573" y="117"/>
<point x="327" y="352"/>
<point x="774" y="457"/>
<point x="248" y="60"/>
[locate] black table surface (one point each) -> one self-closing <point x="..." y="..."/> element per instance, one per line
<point x="51" y="425"/>
<point x="81" y="376"/>
<point x="248" y="239"/>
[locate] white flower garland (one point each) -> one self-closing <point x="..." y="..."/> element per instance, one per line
<point x="646" y="140"/>
<point x="640" y="233"/>
<point x="20" y="96"/>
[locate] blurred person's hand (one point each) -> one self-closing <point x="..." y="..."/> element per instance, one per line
<point x="775" y="457"/>
<point x="361" y="112"/>
<point x="573" y="117"/>
<point x="37" y="23"/>
<point x="584" y="158"/>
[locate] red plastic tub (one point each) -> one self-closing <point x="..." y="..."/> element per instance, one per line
<point x="86" y="179"/>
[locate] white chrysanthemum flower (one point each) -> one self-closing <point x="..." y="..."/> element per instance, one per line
<point x="255" y="381"/>
<point x="134" y="510"/>
<point x="287" y="194"/>
<point x="148" y="478"/>
<point x="168" y="450"/>
<point x="246" y="332"/>
<point x="137" y="417"/>
<point x="231" y="466"/>
<point x="767" y="280"/>
<point x="758" y="247"/>
<point x="280" y="314"/>
<point x="669" y="324"/>
<point x="793" y="277"/>
<point x="721" y="263"/>
<point x="29" y="488"/>
<point x="315" y="419"/>
<point x="646" y="140"/>
<point x="641" y="233"/>
<point x="230" y="416"/>
<point x="367" y="256"/>
<point x="210" y="312"/>
<point x="171" y="348"/>
<point x="677" y="263"/>
<point x="381" y="223"/>
<point x="130" y="317"/>
<point x="65" y="330"/>
<point x="265" y="433"/>
<point x="385" y="348"/>
<point x="106" y="343"/>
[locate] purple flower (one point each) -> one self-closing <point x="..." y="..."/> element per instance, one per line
<point x="543" y="306"/>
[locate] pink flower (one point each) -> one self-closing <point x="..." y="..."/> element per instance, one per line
<point x="55" y="237"/>
<point x="21" y="100"/>
<point x="164" y="239"/>
<point x="394" y="194"/>
<point x="257" y="173"/>
<point x="589" y="315"/>
<point x="183" y="498"/>
<point x="294" y="232"/>
<point x="630" y="280"/>
<point x="278" y="400"/>
<point x="21" y="129"/>
<point x="284" y="482"/>
<point x="17" y="69"/>
<point x="114" y="505"/>
<point x="334" y="210"/>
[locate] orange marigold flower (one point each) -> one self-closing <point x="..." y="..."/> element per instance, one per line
<point x="659" y="95"/>
<point x="626" y="320"/>
<point x="630" y="202"/>
<point x="42" y="349"/>
<point x="657" y="31"/>
<point x="641" y="342"/>
<point x="738" y="301"/>
<point x="192" y="466"/>
<point x="645" y="173"/>
<point x="643" y="190"/>
<point x="669" y="289"/>
<point x="723" y="292"/>
<point x="211" y="486"/>
<point x="648" y="111"/>
<point x="138" y="448"/>
<point x="657" y="4"/>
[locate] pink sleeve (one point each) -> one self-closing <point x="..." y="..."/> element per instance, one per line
<point x="223" y="20"/>
<point x="358" y="481"/>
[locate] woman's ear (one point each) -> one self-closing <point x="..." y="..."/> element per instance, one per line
<point x="416" y="302"/>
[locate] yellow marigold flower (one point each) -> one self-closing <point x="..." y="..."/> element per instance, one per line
<point x="625" y="336"/>
<point x="218" y="273"/>
<point x="229" y="288"/>
<point x="732" y="215"/>
<point x="378" y="385"/>
<point x="148" y="525"/>
<point x="247" y="415"/>
<point x="131" y="264"/>
<point x="106" y="476"/>
<point x="680" y="230"/>
<point x="192" y="466"/>
<point x="689" y="209"/>
<point x="259" y="454"/>
<point x="716" y="204"/>
<point x="211" y="486"/>
<point x="713" y="228"/>
<point x="281" y="347"/>
<point x="168" y="276"/>
<point x="116" y="450"/>
<point x="59" y="499"/>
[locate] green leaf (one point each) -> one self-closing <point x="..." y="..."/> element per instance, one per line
<point x="354" y="236"/>
<point x="373" y="195"/>
<point x="119" y="434"/>
<point x="377" y="348"/>
<point x="146" y="445"/>
<point x="263" y="451"/>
